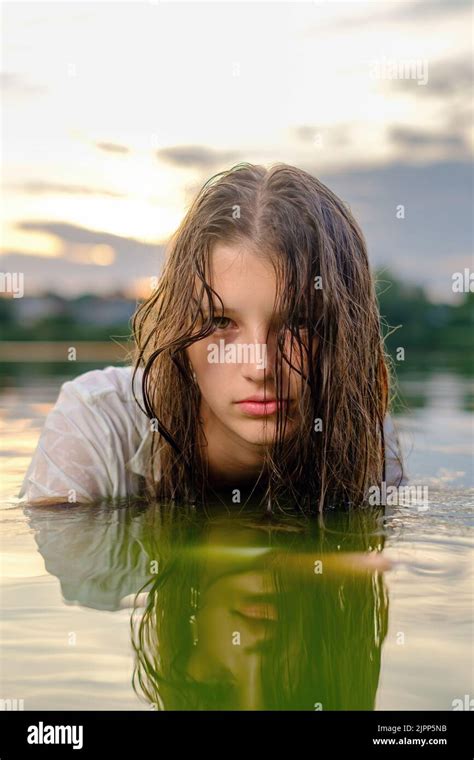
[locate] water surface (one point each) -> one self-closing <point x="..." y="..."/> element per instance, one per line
<point x="133" y="607"/>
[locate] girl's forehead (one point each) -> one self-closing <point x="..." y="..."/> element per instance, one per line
<point x="260" y="275"/>
<point x="227" y="260"/>
<point x="240" y="277"/>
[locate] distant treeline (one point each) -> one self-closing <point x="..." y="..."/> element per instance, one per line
<point x="420" y="323"/>
<point x="409" y="319"/>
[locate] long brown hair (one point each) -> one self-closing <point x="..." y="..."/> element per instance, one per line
<point x="326" y="646"/>
<point x="325" y="291"/>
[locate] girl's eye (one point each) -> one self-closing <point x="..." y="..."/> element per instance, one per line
<point x="221" y="323"/>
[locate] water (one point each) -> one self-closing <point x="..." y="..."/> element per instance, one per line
<point x="369" y="611"/>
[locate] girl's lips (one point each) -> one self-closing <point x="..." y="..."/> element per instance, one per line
<point x="261" y="408"/>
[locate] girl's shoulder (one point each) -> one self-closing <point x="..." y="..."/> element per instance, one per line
<point x="96" y="383"/>
<point x="92" y="433"/>
<point x="112" y="391"/>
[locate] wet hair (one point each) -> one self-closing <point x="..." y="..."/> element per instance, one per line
<point x="324" y="651"/>
<point x="326" y="296"/>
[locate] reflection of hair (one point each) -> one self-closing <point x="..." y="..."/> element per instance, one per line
<point x="306" y="232"/>
<point x="326" y="649"/>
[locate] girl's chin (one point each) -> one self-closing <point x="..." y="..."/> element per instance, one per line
<point x="256" y="433"/>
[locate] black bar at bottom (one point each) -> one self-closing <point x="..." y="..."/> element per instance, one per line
<point x="65" y="734"/>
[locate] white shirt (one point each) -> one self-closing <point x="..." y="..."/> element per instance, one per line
<point x="96" y="441"/>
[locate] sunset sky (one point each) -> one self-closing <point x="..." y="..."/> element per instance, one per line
<point x="114" y="114"/>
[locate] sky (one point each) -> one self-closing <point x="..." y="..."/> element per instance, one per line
<point x="114" y="114"/>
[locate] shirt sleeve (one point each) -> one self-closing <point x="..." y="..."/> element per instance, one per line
<point x="394" y="467"/>
<point x="71" y="457"/>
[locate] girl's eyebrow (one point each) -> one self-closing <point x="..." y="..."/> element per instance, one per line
<point x="217" y="306"/>
<point x="226" y="310"/>
<point x="204" y="305"/>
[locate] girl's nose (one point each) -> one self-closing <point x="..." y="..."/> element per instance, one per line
<point x="259" y="362"/>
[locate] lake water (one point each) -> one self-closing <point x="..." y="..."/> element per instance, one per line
<point x="365" y="611"/>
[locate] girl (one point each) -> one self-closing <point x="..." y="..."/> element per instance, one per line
<point x="259" y="364"/>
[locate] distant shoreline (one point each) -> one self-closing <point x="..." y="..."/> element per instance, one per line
<point x="57" y="351"/>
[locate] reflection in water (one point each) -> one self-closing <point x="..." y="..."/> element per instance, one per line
<point x="231" y="612"/>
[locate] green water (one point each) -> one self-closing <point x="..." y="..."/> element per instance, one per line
<point x="331" y="642"/>
<point x="136" y="607"/>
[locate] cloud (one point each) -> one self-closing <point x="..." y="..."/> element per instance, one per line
<point x="197" y="157"/>
<point x="408" y="137"/>
<point x="59" y="275"/>
<point x="334" y="135"/>
<point x="38" y="187"/>
<point x="447" y="78"/>
<point x="436" y="233"/>
<point x="112" y="147"/>
<point x="419" y="11"/>
<point x="74" y="234"/>
<point x="424" y="9"/>
<point x="62" y="230"/>
<point x="70" y="273"/>
<point x="427" y="246"/>
<point x="450" y="87"/>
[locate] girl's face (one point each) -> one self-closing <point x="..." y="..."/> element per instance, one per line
<point x="229" y="363"/>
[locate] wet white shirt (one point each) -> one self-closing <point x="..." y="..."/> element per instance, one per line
<point x="96" y="441"/>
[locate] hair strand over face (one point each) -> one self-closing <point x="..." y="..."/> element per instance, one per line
<point x="307" y="232"/>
